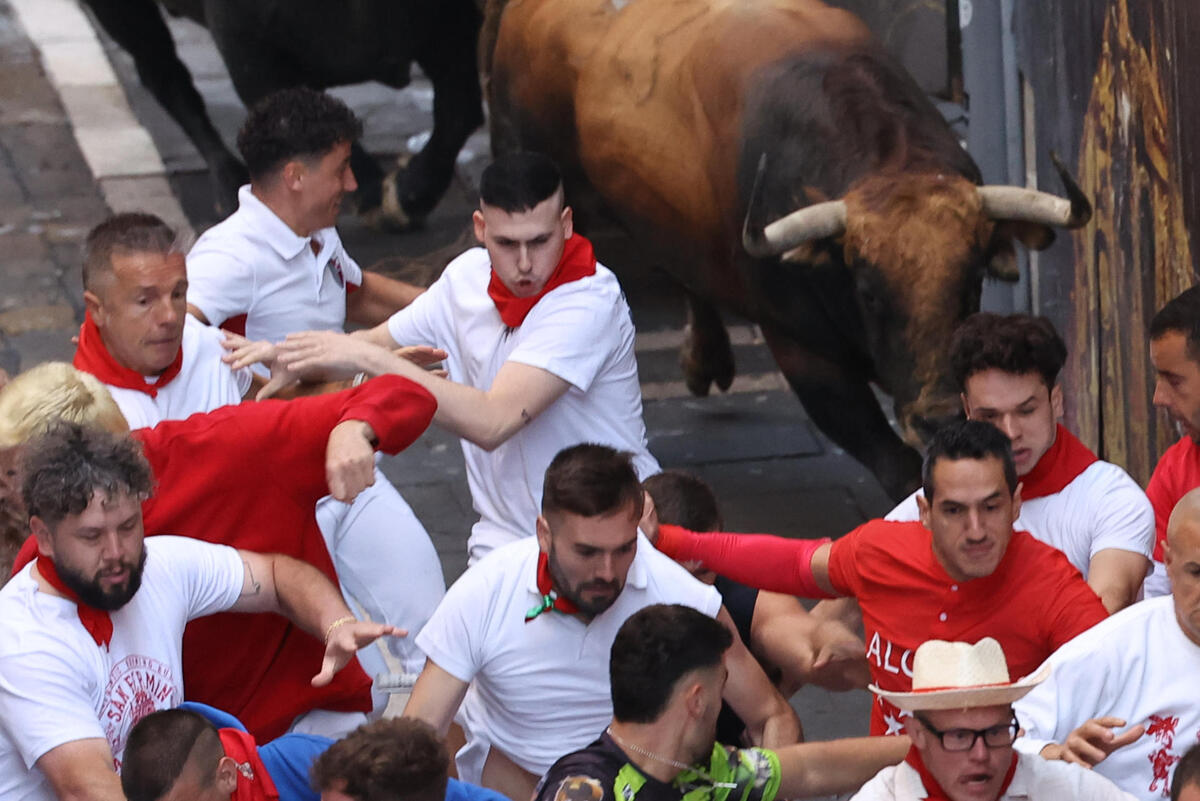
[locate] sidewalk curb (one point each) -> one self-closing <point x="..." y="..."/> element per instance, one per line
<point x="118" y="150"/>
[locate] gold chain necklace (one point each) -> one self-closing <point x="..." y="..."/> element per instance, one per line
<point x="672" y="762"/>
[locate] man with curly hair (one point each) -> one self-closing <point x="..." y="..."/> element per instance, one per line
<point x="1007" y="368"/>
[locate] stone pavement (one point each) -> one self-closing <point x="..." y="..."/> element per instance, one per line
<point x="48" y="201"/>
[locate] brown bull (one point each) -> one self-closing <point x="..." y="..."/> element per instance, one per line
<point x="779" y="164"/>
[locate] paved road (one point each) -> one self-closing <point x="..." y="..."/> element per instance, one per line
<point x="772" y="470"/>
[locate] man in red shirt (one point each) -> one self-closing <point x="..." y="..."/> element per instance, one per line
<point x="961" y="573"/>
<point x="247" y="476"/>
<point x="1175" y="353"/>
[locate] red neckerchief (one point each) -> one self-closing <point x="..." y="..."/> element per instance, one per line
<point x="550" y="597"/>
<point x="578" y="261"/>
<point x="96" y="621"/>
<point x="92" y="357"/>
<point x="253" y="782"/>
<point x="934" y="791"/>
<point x="1058" y="467"/>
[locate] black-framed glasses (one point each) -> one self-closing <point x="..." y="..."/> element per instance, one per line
<point x="999" y="736"/>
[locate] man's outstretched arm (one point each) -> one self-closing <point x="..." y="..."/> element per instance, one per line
<point x="836" y="766"/>
<point x="436" y="697"/>
<point x="82" y="770"/>
<point x="768" y="717"/>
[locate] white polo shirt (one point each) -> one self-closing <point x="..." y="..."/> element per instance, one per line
<point x="1137" y="665"/>
<point x="540" y="689"/>
<point x="57" y="685"/>
<point x="1101" y="508"/>
<point x="581" y="332"/>
<point x="204" y="382"/>
<point x="252" y="263"/>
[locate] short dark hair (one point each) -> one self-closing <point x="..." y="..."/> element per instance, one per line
<point x="518" y="182"/>
<point x="393" y="759"/>
<point x="1182" y="314"/>
<point x="1012" y="343"/>
<point x="968" y="439"/>
<point x="295" y="123"/>
<point x="656" y="647"/>
<point x="684" y="499"/>
<point x="1186" y="772"/>
<point x="591" y="480"/>
<point x="70" y="463"/>
<point x="160" y="747"/>
<point x="129" y="232"/>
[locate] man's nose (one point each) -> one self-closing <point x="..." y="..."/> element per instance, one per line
<point x="1159" y="398"/>
<point x="979" y="750"/>
<point x="524" y="264"/>
<point x="1008" y="424"/>
<point x="349" y="182"/>
<point x="607" y="568"/>
<point x="168" y="312"/>
<point x="110" y="546"/>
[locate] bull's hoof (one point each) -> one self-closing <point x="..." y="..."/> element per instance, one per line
<point x="389" y="215"/>
<point x="706" y="363"/>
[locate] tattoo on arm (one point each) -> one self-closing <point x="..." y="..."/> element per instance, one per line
<point x="251" y="586"/>
<point x="525" y="417"/>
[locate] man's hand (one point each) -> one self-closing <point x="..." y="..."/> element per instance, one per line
<point x="244" y="352"/>
<point x="1089" y="744"/>
<point x="649" y="522"/>
<point x="421" y="355"/>
<point x="334" y="354"/>
<point x="350" y="459"/>
<point x="343" y="642"/>
<point x="839" y="664"/>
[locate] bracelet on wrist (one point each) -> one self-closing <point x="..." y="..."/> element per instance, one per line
<point x="341" y="621"/>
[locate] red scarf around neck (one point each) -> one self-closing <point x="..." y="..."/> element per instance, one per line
<point x="91" y="356"/>
<point x="253" y="782"/>
<point x="578" y="261"/>
<point x="934" y="790"/>
<point x="550" y="597"/>
<point x="1058" y="467"/>
<point x="96" y="621"/>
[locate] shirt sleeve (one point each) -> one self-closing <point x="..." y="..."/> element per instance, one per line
<point x="220" y="284"/>
<point x="1074" y="607"/>
<point x="907" y="510"/>
<point x="454" y="635"/>
<point x="1162" y="493"/>
<point x="350" y="269"/>
<point x="420" y="322"/>
<point x="775" y="564"/>
<point x="44" y="702"/>
<point x="209" y="575"/>
<point x="1123" y="517"/>
<point x="575" y="778"/>
<point x="566" y="335"/>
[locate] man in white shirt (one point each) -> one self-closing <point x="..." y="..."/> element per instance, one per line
<point x="963" y="729"/>
<point x="1136" y="669"/>
<point x="1092" y="511"/>
<point x="92" y="630"/>
<point x="160" y="363"/>
<point x="540" y="348"/>
<point x="529" y="630"/>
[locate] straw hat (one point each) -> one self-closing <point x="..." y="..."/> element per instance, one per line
<point x="958" y="675"/>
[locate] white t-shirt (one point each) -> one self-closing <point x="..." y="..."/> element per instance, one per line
<point x="540" y="689"/>
<point x="252" y="263"/>
<point x="57" y="685"/>
<point x="1035" y="779"/>
<point x="1101" y="508"/>
<point x="1137" y="665"/>
<point x="204" y="382"/>
<point x="581" y="332"/>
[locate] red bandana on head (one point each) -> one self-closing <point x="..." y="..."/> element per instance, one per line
<point x="934" y="790"/>
<point x="1058" y="467"/>
<point x="92" y="357"/>
<point x="96" y="621"/>
<point x="253" y="781"/>
<point x="550" y="597"/>
<point x="578" y="261"/>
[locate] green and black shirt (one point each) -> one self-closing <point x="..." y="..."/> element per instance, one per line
<point x="602" y="772"/>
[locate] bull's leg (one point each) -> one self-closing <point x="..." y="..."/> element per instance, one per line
<point x="706" y="355"/>
<point x="138" y="27"/>
<point x="451" y="66"/>
<point x="845" y="409"/>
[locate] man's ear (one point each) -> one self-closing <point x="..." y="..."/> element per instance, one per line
<point x="227" y="775"/>
<point x="94" y="306"/>
<point x="568" y="222"/>
<point x="926" y="511"/>
<point x="41" y="533"/>
<point x="694" y="699"/>
<point x="292" y="175"/>
<point x="479" y="224"/>
<point x="1056" y="401"/>
<point x="543" y="534"/>
<point x="1016" y="510"/>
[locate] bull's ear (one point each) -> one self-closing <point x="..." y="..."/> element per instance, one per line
<point x="1034" y="236"/>
<point x="1002" y="264"/>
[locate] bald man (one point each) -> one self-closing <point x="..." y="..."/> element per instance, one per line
<point x="1122" y="695"/>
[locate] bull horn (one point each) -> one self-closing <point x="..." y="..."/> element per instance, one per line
<point x="1031" y="205"/>
<point x="817" y="221"/>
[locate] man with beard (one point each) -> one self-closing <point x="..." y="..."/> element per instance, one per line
<point x="90" y="633"/>
<point x="529" y="629"/>
<point x="1175" y="353"/>
<point x="667" y="674"/>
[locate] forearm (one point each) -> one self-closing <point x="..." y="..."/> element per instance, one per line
<point x="767" y="562"/>
<point x="306" y="597"/>
<point x="1116" y="576"/>
<point x="379" y="298"/>
<point x="836" y="766"/>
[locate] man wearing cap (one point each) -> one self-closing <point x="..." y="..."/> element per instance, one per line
<point x="963" y="727"/>
<point x="1138" y="670"/>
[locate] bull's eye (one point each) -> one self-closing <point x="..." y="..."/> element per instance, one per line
<point x="871" y="301"/>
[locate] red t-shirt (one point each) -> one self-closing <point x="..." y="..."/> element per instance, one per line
<point x="250" y="476"/>
<point x="1177" y="474"/>
<point x="1034" y="602"/>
